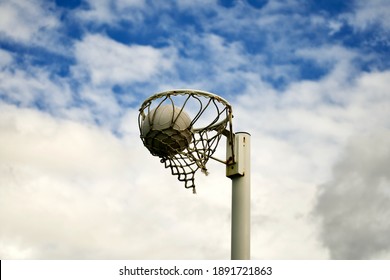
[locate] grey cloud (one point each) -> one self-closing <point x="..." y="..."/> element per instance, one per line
<point x="354" y="205"/>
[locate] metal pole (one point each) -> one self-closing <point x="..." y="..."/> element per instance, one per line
<point x="239" y="172"/>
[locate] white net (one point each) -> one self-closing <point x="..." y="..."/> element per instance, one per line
<point x="183" y="128"/>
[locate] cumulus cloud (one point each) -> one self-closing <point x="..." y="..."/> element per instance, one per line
<point x="103" y="64"/>
<point x="75" y="181"/>
<point x="354" y="205"/>
<point x="32" y="86"/>
<point x="104" y="60"/>
<point x="298" y="135"/>
<point x="62" y="173"/>
<point x="71" y="191"/>
<point x="25" y="21"/>
<point x="368" y="14"/>
<point x="328" y="56"/>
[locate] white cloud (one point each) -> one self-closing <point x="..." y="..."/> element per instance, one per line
<point x="297" y="137"/>
<point x="122" y="6"/>
<point x="328" y="55"/>
<point x="366" y="14"/>
<point x="63" y="175"/>
<point x="5" y="58"/>
<point x="33" y="85"/>
<point x="74" y="191"/>
<point x="98" y="11"/>
<point x="23" y="20"/>
<point x="105" y="61"/>
<point x="70" y="189"/>
<point x="111" y="12"/>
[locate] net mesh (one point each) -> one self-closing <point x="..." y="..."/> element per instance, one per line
<point x="191" y="132"/>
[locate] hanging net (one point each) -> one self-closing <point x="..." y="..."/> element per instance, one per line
<point x="183" y="128"/>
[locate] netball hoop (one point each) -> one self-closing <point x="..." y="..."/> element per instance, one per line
<point x="183" y="128"/>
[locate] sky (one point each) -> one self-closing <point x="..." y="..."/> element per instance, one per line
<point x="309" y="80"/>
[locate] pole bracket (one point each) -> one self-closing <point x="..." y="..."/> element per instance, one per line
<point x="236" y="167"/>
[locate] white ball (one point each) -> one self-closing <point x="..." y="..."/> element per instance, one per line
<point x="166" y="130"/>
<point x="161" y="118"/>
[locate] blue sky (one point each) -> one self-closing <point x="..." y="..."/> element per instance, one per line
<point x="308" y="80"/>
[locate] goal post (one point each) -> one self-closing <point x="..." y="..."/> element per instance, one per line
<point x="183" y="128"/>
<point x="239" y="171"/>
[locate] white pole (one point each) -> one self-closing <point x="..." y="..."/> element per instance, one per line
<point x="239" y="172"/>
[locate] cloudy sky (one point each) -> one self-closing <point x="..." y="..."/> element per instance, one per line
<point x="308" y="79"/>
